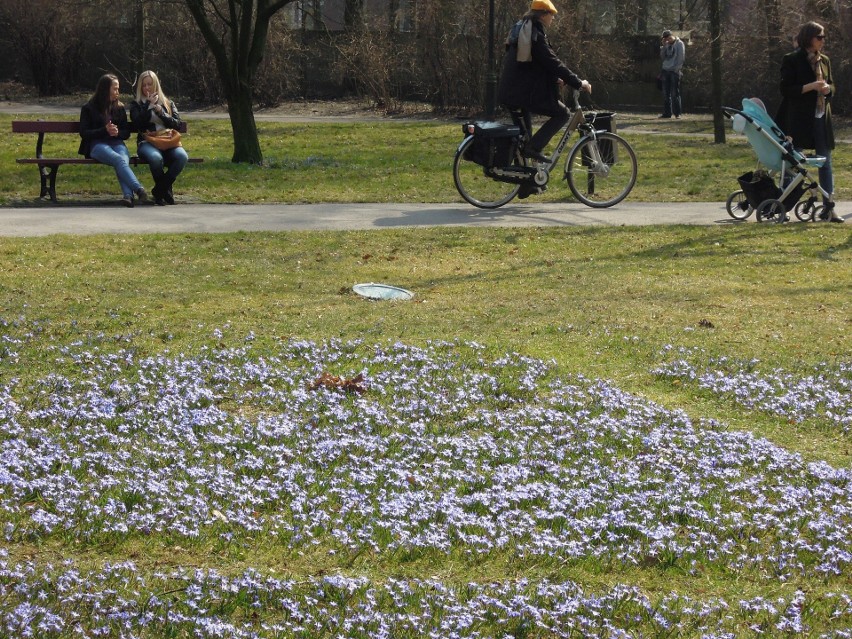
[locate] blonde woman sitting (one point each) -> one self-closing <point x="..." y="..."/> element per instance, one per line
<point x="153" y="111"/>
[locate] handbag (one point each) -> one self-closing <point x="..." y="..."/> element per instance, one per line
<point x="163" y="139"/>
<point x="660" y="82"/>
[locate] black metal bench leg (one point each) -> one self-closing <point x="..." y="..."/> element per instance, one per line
<point x="48" y="180"/>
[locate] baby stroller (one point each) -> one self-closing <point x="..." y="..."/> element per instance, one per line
<point x="776" y="157"/>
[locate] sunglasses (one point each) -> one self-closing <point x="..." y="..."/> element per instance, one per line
<point x="820" y="37"/>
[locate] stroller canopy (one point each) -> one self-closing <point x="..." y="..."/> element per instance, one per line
<point x="763" y="134"/>
<point x="767" y="139"/>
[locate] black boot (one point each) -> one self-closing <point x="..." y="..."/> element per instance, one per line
<point x="157" y="192"/>
<point x="165" y="186"/>
<point x="528" y="189"/>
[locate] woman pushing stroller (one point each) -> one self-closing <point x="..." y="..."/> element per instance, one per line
<point x="805" y="112"/>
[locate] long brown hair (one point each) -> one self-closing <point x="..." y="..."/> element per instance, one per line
<point x="102" y="98"/>
<point x="534" y="14"/>
<point x="807" y="33"/>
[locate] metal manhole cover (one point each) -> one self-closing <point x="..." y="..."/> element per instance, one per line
<point x="375" y="291"/>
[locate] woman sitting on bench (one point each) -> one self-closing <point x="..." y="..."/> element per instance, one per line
<point x="103" y="129"/>
<point x="153" y="111"/>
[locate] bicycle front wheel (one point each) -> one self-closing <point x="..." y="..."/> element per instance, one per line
<point x="601" y="172"/>
<point x="475" y="186"/>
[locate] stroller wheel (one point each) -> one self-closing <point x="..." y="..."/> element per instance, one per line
<point x="771" y="211"/>
<point x="820" y="213"/>
<point x="738" y="206"/>
<point x="806" y="210"/>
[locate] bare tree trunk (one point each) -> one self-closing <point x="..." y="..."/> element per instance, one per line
<point x="393" y="9"/>
<point x="243" y="127"/>
<point x="775" y="44"/>
<point x="236" y="32"/>
<point x="716" y="71"/>
<point x="141" y="45"/>
<point x="642" y="16"/>
<point x="353" y="14"/>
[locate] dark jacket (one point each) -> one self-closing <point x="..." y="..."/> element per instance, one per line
<point x="93" y="127"/>
<point x="533" y="85"/>
<point x="796" y="113"/>
<point x="140" y="115"/>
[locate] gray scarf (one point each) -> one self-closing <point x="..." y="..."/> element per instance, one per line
<point x="525" y="42"/>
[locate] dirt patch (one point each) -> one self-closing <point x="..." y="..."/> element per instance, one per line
<point x="19" y="98"/>
<point x="341" y="109"/>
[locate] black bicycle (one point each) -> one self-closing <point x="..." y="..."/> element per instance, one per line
<point x="490" y="168"/>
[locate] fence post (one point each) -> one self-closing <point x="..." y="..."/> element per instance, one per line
<point x="491" y="75"/>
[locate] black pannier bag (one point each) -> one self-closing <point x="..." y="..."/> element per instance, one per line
<point x="757" y="187"/>
<point x="603" y="121"/>
<point x="494" y="144"/>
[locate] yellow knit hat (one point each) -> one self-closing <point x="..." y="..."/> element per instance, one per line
<point x="543" y="5"/>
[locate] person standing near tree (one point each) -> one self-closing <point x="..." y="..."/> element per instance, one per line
<point x="805" y="112"/>
<point x="673" y="55"/>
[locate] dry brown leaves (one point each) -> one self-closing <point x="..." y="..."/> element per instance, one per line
<point x="350" y="385"/>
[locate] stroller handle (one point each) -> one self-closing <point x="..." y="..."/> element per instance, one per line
<point x="730" y="112"/>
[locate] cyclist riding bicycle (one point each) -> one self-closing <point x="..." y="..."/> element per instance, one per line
<point x="532" y="77"/>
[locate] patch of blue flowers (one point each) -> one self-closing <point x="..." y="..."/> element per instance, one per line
<point x="441" y="450"/>
<point x="823" y="393"/>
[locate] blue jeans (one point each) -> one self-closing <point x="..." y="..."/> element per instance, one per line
<point x="118" y="157"/>
<point x="671" y="93"/>
<point x="173" y="159"/>
<point x="826" y="175"/>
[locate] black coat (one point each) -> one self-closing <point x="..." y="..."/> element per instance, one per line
<point x="93" y="126"/>
<point x="796" y="113"/>
<point x="533" y="85"/>
<point x="140" y="115"/>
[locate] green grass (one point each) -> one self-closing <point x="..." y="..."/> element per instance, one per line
<point x="598" y="301"/>
<point x="602" y="302"/>
<point x="386" y="162"/>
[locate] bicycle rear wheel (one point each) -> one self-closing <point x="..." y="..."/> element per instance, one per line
<point x="475" y="186"/>
<point x="601" y="172"/>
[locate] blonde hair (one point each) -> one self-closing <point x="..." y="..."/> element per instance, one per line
<point x="161" y="99"/>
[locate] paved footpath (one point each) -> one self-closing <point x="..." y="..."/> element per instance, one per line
<point x="109" y="217"/>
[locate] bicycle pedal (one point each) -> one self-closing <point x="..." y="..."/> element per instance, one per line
<point x="527" y="190"/>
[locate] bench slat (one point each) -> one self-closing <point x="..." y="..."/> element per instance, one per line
<point x="47" y="161"/>
<point x="41" y="126"/>
<point x="52" y="126"/>
<point x="80" y="160"/>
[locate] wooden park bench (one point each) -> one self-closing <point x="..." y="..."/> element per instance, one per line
<point x="47" y="167"/>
